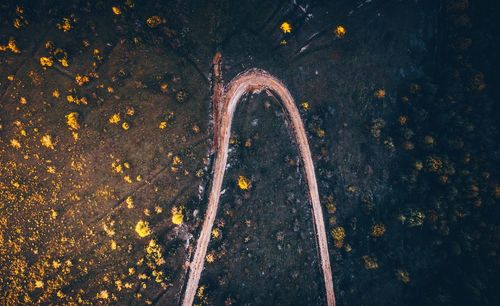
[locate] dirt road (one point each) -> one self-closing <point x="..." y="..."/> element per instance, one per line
<point x="225" y="101"/>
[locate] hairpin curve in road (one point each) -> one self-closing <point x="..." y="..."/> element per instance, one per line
<point x="225" y="100"/>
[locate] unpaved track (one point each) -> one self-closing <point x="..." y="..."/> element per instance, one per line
<point x="224" y="104"/>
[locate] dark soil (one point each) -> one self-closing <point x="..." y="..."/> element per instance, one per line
<point x="403" y="123"/>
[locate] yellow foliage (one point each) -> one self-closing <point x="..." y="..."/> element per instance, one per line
<point x="338" y="234"/>
<point x="39" y="284"/>
<point x="117" y="168"/>
<point x="286" y="27"/>
<point x="244" y="183"/>
<point x="320" y="132"/>
<point x="154" y="254"/>
<point x="65" y="25"/>
<point x="130" y="202"/>
<point x="142" y="228"/>
<point x="15" y="143"/>
<point x="17" y="23"/>
<point x="10" y="46"/>
<point x="201" y="291"/>
<point x="215" y="233"/>
<point x="419" y="165"/>
<point x="72" y="121"/>
<point x="177" y="216"/>
<point x="434" y="163"/>
<point x="64" y="62"/>
<point x="403" y="276"/>
<point x="46" y="141"/>
<point x="154" y="21"/>
<point x="118" y="284"/>
<point x="380" y="94"/>
<point x="115" y="118"/>
<point x="76" y="100"/>
<point x="130" y="111"/>
<point x="46" y="61"/>
<point x="378" y="230"/>
<point x="109" y="229"/>
<point x="370" y="263"/>
<point x="331" y="208"/>
<point x="125" y="126"/>
<point x="340" y="31"/>
<point x="210" y="258"/>
<point x="116" y="10"/>
<point x="176" y="161"/>
<point x="81" y="79"/>
<point x="103" y="295"/>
